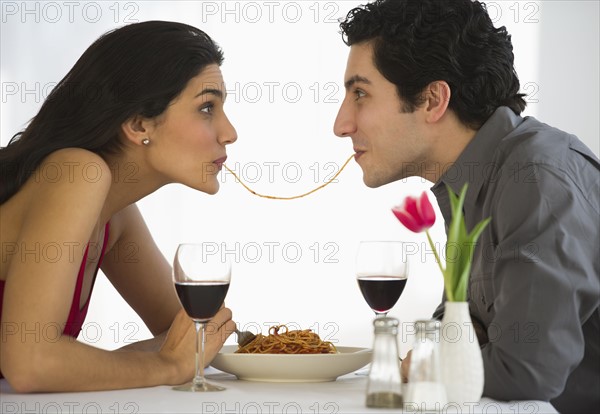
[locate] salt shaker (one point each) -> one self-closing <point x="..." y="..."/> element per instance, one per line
<point x="384" y="385"/>
<point x="425" y="390"/>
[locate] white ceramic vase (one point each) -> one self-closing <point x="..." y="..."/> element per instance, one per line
<point x="462" y="366"/>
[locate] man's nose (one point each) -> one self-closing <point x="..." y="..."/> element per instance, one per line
<point x="345" y="124"/>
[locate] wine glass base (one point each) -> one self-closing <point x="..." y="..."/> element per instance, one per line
<point x="201" y="387"/>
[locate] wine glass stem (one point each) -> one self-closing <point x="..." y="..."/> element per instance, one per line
<point x="199" y="378"/>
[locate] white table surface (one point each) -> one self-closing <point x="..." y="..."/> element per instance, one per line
<point x="346" y="395"/>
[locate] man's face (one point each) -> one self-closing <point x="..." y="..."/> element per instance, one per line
<point x="388" y="142"/>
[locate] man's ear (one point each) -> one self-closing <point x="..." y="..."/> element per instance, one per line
<point x="136" y="129"/>
<point x="437" y="98"/>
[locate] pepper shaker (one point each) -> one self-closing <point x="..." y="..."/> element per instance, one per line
<point x="425" y="390"/>
<point x="384" y="384"/>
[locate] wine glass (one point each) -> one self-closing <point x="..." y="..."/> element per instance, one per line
<point x="201" y="280"/>
<point x="381" y="272"/>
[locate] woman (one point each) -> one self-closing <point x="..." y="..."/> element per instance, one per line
<point x="141" y="108"/>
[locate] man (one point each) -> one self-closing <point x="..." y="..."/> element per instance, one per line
<point x="431" y="91"/>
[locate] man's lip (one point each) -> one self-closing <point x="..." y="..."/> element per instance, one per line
<point x="358" y="154"/>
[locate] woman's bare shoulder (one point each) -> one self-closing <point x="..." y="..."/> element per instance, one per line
<point x="70" y="184"/>
<point x="74" y="164"/>
<point x="59" y="205"/>
<point x="71" y="172"/>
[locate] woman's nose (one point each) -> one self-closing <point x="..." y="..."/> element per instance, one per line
<point x="229" y="134"/>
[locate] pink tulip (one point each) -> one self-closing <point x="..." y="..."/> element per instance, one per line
<point x="416" y="214"/>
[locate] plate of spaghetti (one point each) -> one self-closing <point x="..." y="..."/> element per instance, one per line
<point x="290" y="356"/>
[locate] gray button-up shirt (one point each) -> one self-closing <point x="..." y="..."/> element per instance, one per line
<point x="535" y="281"/>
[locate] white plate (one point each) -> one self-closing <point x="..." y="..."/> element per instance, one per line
<point x="291" y="368"/>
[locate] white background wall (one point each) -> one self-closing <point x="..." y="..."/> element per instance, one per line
<point x="284" y="69"/>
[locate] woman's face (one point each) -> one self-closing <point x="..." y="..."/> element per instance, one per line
<point x="187" y="142"/>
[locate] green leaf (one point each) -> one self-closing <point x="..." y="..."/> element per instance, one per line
<point x="460" y="289"/>
<point x="447" y="283"/>
<point x="459" y="261"/>
<point x="464" y="261"/>
<point x="453" y="235"/>
<point x="457" y="233"/>
<point x="478" y="229"/>
<point x="460" y="292"/>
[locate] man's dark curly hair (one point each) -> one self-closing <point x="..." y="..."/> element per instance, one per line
<point x="417" y="42"/>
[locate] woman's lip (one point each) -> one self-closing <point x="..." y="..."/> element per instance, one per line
<point x="220" y="161"/>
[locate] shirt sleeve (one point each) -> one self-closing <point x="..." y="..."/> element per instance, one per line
<point x="545" y="282"/>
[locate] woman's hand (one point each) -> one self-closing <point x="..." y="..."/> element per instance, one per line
<point x="216" y="332"/>
<point x="179" y="348"/>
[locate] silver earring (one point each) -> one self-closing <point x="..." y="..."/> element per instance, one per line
<point x="146" y="141"/>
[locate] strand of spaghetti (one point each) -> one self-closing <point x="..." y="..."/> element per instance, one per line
<point x="288" y="342"/>
<point x="293" y="197"/>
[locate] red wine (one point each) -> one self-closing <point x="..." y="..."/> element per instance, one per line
<point x="202" y="300"/>
<point x="381" y="292"/>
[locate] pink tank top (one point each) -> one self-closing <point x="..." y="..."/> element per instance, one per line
<point x="76" y="315"/>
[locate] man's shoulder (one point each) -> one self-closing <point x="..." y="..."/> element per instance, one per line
<point x="539" y="162"/>
<point x="536" y="143"/>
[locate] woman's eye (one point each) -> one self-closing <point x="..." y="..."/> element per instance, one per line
<point x="207" y="108"/>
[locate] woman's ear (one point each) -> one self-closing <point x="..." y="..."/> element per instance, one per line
<point x="137" y="130"/>
<point x="437" y="99"/>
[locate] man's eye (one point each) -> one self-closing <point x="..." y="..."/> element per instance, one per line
<point x="358" y="93"/>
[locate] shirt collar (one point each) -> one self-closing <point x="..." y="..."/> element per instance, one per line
<point x="476" y="160"/>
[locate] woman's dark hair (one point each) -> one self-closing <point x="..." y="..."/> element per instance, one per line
<point x="134" y="70"/>
<point x="419" y="42"/>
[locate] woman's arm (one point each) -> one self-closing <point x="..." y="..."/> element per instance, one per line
<point x="141" y="274"/>
<point x="38" y="295"/>
<point x="139" y="271"/>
